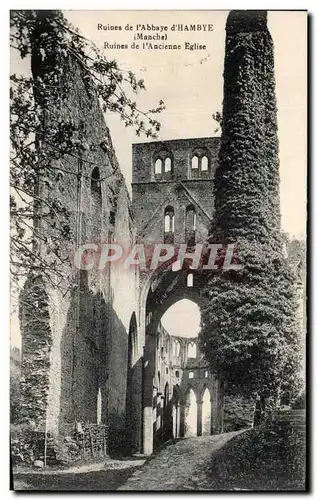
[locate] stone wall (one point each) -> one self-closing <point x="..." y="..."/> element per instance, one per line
<point x="180" y="188"/>
<point x="89" y="314"/>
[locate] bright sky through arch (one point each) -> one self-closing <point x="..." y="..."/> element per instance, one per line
<point x="182" y="319"/>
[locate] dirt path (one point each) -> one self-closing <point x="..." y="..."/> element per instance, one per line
<point x="104" y="476"/>
<point x="178" y="466"/>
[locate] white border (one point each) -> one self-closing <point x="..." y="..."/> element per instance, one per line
<point x="4" y="217"/>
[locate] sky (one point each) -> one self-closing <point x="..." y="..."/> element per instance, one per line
<point x="182" y="319"/>
<point x="190" y="83"/>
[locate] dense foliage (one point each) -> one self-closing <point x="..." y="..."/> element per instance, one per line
<point x="249" y="332"/>
<point x="238" y="413"/>
<point x="263" y="459"/>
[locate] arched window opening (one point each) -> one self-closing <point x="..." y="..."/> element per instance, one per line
<point x="204" y="164"/>
<point x="168" y="165"/>
<point x="191" y="375"/>
<point x="169" y="225"/>
<point x="96" y="202"/>
<point x="200" y="164"/>
<point x="206" y="374"/>
<point x="195" y="162"/>
<point x="190" y="226"/>
<point x="192" y="350"/>
<point x="206" y="413"/>
<point x="190" y="280"/>
<point x="166" y="223"/>
<point x="158" y="167"/>
<point x="163" y="166"/>
<point x="191" y="414"/>
<point x="95" y="182"/>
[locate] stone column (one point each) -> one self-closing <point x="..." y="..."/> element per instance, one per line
<point x="199" y="416"/>
<point x="147" y="403"/>
<point x="182" y="420"/>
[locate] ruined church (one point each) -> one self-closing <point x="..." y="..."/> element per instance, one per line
<point x="94" y="350"/>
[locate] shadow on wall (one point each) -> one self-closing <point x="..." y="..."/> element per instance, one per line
<point x="133" y="392"/>
<point x="94" y="359"/>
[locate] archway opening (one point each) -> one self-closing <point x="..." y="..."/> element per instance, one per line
<point x="206" y="413"/>
<point x="182" y="319"/>
<point x="191" y="414"/>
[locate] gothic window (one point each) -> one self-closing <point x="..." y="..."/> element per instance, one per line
<point x="177" y="374"/>
<point x="204" y="164"/>
<point x="169" y="225"/>
<point x="200" y="164"/>
<point x="163" y="165"/>
<point x="95" y="184"/>
<point x="190" y="280"/>
<point x="166" y="223"/>
<point x="158" y="167"/>
<point x="192" y="350"/>
<point x="194" y="162"/>
<point x="191" y="375"/>
<point x="206" y="373"/>
<point x="96" y="202"/>
<point x="168" y="165"/>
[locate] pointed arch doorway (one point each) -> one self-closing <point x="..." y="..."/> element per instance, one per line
<point x="206" y="413"/>
<point x="191" y="414"/>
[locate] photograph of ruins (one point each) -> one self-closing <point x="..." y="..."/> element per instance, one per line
<point x="158" y="250"/>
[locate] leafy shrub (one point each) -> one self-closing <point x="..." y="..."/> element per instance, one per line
<point x="238" y="413"/>
<point x="300" y="402"/>
<point x="27" y="444"/>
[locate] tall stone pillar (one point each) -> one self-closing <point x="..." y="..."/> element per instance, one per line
<point x="199" y="417"/>
<point x="182" y="420"/>
<point x="147" y="401"/>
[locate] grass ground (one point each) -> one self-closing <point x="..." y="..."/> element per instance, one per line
<point x="270" y="459"/>
<point x="102" y="476"/>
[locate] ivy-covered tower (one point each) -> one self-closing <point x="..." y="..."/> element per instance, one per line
<point x="249" y="332"/>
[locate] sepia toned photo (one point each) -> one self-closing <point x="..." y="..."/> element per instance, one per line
<point x="158" y="168"/>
